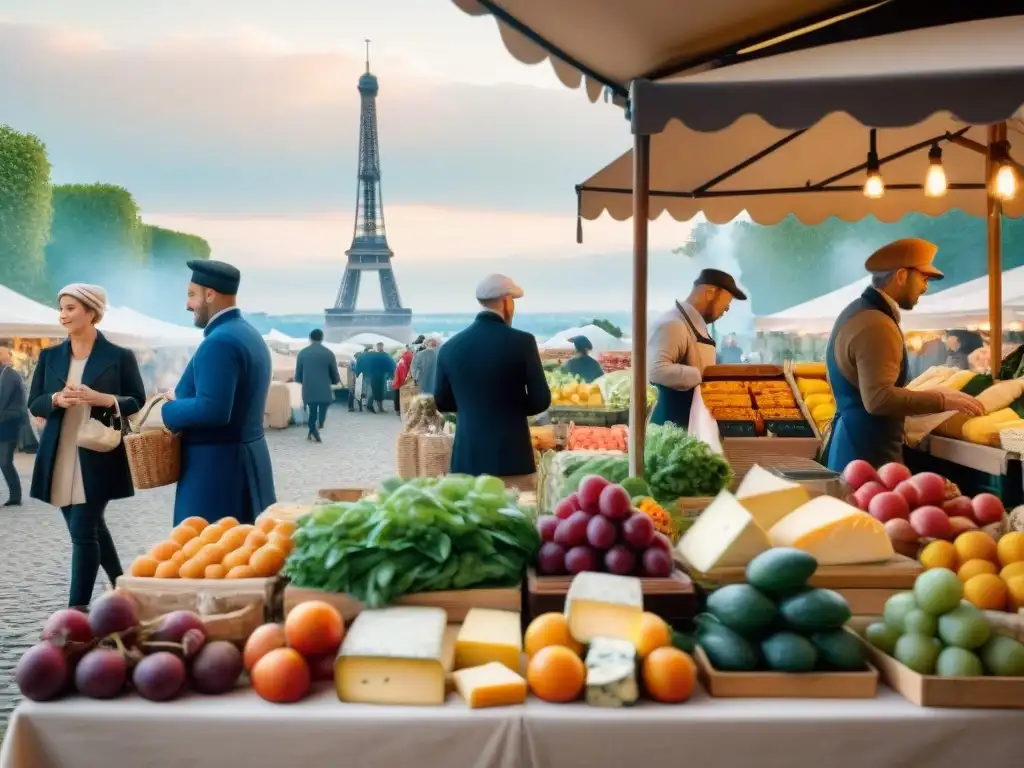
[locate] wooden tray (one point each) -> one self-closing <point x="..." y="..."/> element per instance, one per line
<point x="674" y="598"/>
<point x="456" y="602"/>
<point x="899" y="573"/>
<point x="782" y="685"/>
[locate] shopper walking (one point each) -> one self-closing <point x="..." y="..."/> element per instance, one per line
<point x="12" y="417"/>
<point x="316" y="369"/>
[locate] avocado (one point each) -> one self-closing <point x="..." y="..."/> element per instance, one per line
<point x="789" y="652"/>
<point x="742" y="608"/>
<point x="727" y="651"/>
<point x="815" y="610"/>
<point x="840" y="650"/>
<point x="781" y="570"/>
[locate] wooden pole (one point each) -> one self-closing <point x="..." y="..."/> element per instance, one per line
<point x="994" y="220"/>
<point x="638" y="396"/>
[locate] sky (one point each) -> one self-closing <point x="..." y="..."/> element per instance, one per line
<point x="237" y="120"/>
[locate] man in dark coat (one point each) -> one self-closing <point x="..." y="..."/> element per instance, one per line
<point x="13" y="412"/>
<point x="376" y="367"/>
<point x="316" y="369"/>
<point x="491" y="376"/>
<point x="218" y="406"/>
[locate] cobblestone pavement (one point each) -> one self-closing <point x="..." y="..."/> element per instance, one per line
<point x="357" y="449"/>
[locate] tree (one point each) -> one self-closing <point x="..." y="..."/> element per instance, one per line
<point x="25" y="212"/>
<point x="608" y="327"/>
<point x="166" y="274"/>
<point x="165" y="246"/>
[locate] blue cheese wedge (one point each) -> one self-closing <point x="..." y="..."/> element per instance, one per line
<point x="604" y="605"/>
<point x="611" y="673"/>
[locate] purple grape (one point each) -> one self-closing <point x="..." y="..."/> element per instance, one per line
<point x="114" y="612"/>
<point x="68" y="624"/>
<point x="620" y="560"/>
<point x="572" y="531"/>
<point x="216" y="668"/>
<point x="159" y="677"/>
<point x="638" y="531"/>
<point x="581" y="558"/>
<point x="174" y="625"/>
<point x="546" y="526"/>
<point x="101" y="674"/>
<point x="551" y="559"/>
<point x="42" y="672"/>
<point x="657" y="562"/>
<point x="601" y="532"/>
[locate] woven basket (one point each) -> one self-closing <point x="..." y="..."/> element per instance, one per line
<point x="154" y="455"/>
<point x="408" y="391"/>
<point x="406" y="455"/>
<point x="434" y="455"/>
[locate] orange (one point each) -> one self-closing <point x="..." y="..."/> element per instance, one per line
<point x="261" y="642"/>
<point x="285" y="528"/>
<point x="1015" y="593"/>
<point x="241" y="572"/>
<point x="266" y="524"/>
<point x="211" y="535"/>
<point x="314" y="628"/>
<point x="179" y="557"/>
<point x="669" y="675"/>
<point x="1012" y="571"/>
<point x="247" y="527"/>
<point x="233" y="539"/>
<point x="239" y="557"/>
<point x="192" y="548"/>
<point x="183" y="534"/>
<point x="212" y="554"/>
<point x="284" y="543"/>
<point x="986" y="591"/>
<point x="193" y="569"/>
<point x="164" y="550"/>
<point x="144" y="566"/>
<point x="256" y="539"/>
<point x="267" y="561"/>
<point x="939" y="554"/>
<point x="227" y="522"/>
<point x="976" y="545"/>
<point x="1010" y="548"/>
<point x="167" y="570"/>
<point x="198" y="523"/>
<point x="217" y="571"/>
<point x="556" y="674"/>
<point x="546" y="630"/>
<point x="973" y="567"/>
<point x="281" y="676"/>
<point x="653" y="633"/>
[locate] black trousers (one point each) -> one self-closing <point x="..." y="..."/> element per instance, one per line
<point x="317" y="417"/>
<point x="8" y="471"/>
<point x="92" y="546"/>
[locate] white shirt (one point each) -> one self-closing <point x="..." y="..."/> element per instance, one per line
<point x="891" y="302"/>
<point x="674" y="358"/>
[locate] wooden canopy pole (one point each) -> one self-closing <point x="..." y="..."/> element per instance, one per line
<point x="994" y="220"/>
<point x="638" y="395"/>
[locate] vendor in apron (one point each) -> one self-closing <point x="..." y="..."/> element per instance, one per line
<point x="867" y="361"/>
<point x="680" y="347"/>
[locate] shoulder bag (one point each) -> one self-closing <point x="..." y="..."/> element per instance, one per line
<point x="96" y="436"/>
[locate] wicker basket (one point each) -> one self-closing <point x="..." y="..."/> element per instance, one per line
<point x="154" y="455"/>
<point x="406" y="455"/>
<point x="406" y="393"/>
<point x="434" y="454"/>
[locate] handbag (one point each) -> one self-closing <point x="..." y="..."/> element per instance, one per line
<point x="96" y="436"/>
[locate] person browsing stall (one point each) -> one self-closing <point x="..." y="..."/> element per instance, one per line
<point x="680" y="347"/>
<point x="867" y="363"/>
<point x="582" y="364"/>
<point x="218" y="406"/>
<point x="316" y="369"/>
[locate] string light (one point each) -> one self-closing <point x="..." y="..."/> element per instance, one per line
<point x="1004" y="185"/>
<point x="935" y="181"/>
<point x="874" y="187"/>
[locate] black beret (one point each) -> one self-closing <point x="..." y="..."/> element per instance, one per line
<point x="215" y="275"/>
<point x="720" y="279"/>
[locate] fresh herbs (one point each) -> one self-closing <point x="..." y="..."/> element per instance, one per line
<point x="677" y="464"/>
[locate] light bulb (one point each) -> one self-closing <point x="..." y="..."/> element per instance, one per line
<point x="1006" y="182"/>
<point x="874" y="187"/>
<point x="935" y="181"/>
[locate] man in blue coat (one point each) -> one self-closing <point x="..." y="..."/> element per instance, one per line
<point x="491" y="376"/>
<point x="316" y="369"/>
<point x="218" y="406"/>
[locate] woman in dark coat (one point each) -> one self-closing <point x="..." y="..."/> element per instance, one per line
<point x="84" y="377"/>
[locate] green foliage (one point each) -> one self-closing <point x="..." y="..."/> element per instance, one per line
<point x="167" y="247"/>
<point x="25" y="211"/>
<point x="798" y="262"/>
<point x="607" y="326"/>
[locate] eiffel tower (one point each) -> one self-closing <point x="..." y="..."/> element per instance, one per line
<point x="369" y="251"/>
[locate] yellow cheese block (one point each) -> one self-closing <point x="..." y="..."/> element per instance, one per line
<point x="1001" y="395"/>
<point x="985" y="430"/>
<point x="768" y="497"/>
<point x="834" y="532"/>
<point x="813" y="401"/>
<point x="959" y="380"/>
<point x="810" y="370"/>
<point x="488" y="635"/>
<point x="725" y="535"/>
<point x="813" y="387"/>
<point x="393" y="656"/>
<point x="604" y="605"/>
<point x="931" y="378"/>
<point x="490" y="685"/>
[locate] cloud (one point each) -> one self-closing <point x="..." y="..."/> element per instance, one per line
<point x="249" y="125"/>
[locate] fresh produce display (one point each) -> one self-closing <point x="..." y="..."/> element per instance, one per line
<point x="221" y="550"/>
<point x="615" y="361"/>
<point x="1003" y="402"/>
<point x="933" y="631"/>
<point x="598" y="438"/>
<point x="422" y="535"/>
<point x="659" y="516"/>
<point x="598" y="529"/>
<point x="756" y="401"/>
<point x="617" y="388"/>
<point x="775" y="622"/>
<point x="678" y="465"/>
<point x="992" y="572"/>
<point x="812" y="384"/>
<point x="543" y="438"/>
<point x="568" y="390"/>
<point x="108" y="651"/>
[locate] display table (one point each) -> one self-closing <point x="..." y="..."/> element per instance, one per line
<point x="242" y="730"/>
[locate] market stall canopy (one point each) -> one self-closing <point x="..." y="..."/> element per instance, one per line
<point x="133" y="327"/>
<point x="23" y="317"/>
<point x="790" y="133"/>
<point x="600" y="338"/>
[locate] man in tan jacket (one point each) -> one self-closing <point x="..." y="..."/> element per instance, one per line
<point x="867" y="365"/>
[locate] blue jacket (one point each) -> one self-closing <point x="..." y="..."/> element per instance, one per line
<point x="316" y="369"/>
<point x="491" y="376"/>
<point x="218" y="409"/>
<point x="12" y="404"/>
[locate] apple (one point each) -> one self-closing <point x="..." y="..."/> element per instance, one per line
<point x="910" y="494"/>
<point x="887" y="506"/>
<point x="893" y="474"/>
<point x="858" y="472"/>
<point x="930" y="487"/>
<point x="867" y="492"/>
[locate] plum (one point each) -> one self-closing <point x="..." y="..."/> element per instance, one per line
<point x="42" y="672"/>
<point x="888" y="506"/>
<point x="893" y="474"/>
<point x="859" y="472"/>
<point x="590" y="493"/>
<point x="601" y="532"/>
<point x="931" y="488"/>
<point x="101" y="674"/>
<point x="582" y="558"/>
<point x="614" y="503"/>
<point x="546" y="526"/>
<point x="572" y="531"/>
<point x="551" y="559"/>
<point x="866" y="493"/>
<point x="931" y="522"/>
<point x="216" y="668"/>
<point x="638" y="531"/>
<point x="67" y="624"/>
<point x="620" y="560"/>
<point x="988" y="509"/>
<point x="657" y="562"/>
<point x="160" y="676"/>
<point x="113" y="612"/>
<point x="910" y="494"/>
<point x="172" y="627"/>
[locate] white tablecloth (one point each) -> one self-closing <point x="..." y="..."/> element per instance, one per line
<point x="240" y="729"/>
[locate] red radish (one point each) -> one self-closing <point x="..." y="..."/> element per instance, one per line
<point x="910" y="494"/>
<point x="564" y="509"/>
<point x="931" y="522"/>
<point x="590" y="492"/>
<point x="893" y="474"/>
<point x="930" y="487"/>
<point x="887" y="506"/>
<point x="866" y="493"/>
<point x="859" y="472"/>
<point x="959" y="507"/>
<point x="988" y="509"/>
<point x="960" y="525"/>
<point x="614" y="503"/>
<point x="900" y="530"/>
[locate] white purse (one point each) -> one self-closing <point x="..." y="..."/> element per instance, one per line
<point x="96" y="436"/>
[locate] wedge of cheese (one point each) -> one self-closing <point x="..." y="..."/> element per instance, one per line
<point x="834" y="532"/>
<point x="488" y="635"/>
<point x="768" y="497"/>
<point x="611" y="673"/>
<point x="490" y="685"/>
<point x="604" y="605"/>
<point x="725" y="535"/>
<point x="393" y="656"/>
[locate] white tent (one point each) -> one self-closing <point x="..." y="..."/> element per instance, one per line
<point x="20" y="316"/>
<point x="600" y="338"/>
<point x="133" y="326"/>
<point x="363" y="340"/>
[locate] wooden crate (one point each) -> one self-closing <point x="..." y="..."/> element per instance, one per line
<point x="801" y="403"/>
<point x="343" y="494"/>
<point x="783" y="685"/>
<point x="455" y="602"/>
<point x="673" y="598"/>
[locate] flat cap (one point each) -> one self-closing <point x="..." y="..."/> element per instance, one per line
<point x="908" y="253"/>
<point x="215" y="275"/>
<point x="497" y="287"/>
<point x="720" y="279"/>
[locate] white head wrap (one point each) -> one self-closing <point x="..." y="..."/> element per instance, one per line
<point x="92" y="296"/>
